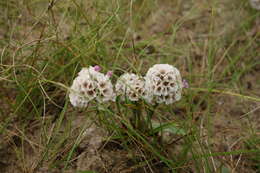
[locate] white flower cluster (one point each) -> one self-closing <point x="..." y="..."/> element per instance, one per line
<point x="255" y="4"/>
<point x="162" y="84"/>
<point x="91" y="84"/>
<point x="132" y="86"/>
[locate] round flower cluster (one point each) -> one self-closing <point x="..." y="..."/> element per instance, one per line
<point x="131" y="86"/>
<point x="91" y="84"/>
<point x="161" y="84"/>
<point x="164" y="83"/>
<point x="255" y="4"/>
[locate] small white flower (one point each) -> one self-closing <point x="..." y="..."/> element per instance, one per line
<point x="88" y="85"/>
<point x="105" y="89"/>
<point x="82" y="91"/>
<point x="131" y="86"/>
<point x="255" y="4"/>
<point x="164" y="83"/>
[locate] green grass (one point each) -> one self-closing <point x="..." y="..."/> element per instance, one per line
<point x="44" y="44"/>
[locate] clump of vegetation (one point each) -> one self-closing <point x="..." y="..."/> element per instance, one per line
<point x="161" y="84"/>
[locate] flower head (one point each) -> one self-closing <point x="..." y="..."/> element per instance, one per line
<point x="164" y="83"/>
<point x="131" y="86"/>
<point x="88" y="85"/>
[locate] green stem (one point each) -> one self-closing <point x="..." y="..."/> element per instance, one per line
<point x="150" y="113"/>
<point x="137" y="116"/>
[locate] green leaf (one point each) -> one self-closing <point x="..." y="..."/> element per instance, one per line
<point x="168" y="127"/>
<point x="224" y="169"/>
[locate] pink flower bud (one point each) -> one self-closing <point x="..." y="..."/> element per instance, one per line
<point x="185" y="83"/>
<point x="109" y="73"/>
<point x="97" y="68"/>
